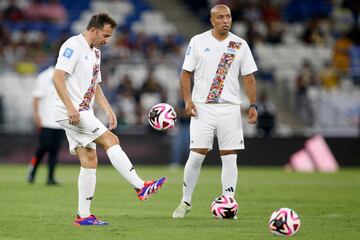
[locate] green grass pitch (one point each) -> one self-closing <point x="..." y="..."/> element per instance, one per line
<point x="328" y="205"/>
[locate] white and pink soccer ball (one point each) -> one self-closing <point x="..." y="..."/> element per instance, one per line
<point x="224" y="207"/>
<point x="284" y="222"/>
<point x="162" y="117"/>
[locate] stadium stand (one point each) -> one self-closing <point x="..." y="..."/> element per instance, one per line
<point x="283" y="35"/>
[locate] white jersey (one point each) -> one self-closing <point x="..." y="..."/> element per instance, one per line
<point x="44" y="90"/>
<point x="83" y="66"/>
<point x="217" y="65"/>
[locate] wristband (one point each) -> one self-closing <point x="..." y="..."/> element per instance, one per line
<point x="253" y="105"/>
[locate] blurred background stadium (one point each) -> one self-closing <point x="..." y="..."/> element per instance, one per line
<point x="308" y="55"/>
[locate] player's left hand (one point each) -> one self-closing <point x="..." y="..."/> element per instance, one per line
<point x="252" y="116"/>
<point x="112" y="121"/>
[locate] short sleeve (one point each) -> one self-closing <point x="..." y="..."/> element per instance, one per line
<point x="39" y="88"/>
<point x="248" y="64"/>
<point x="99" y="78"/>
<point x="189" y="61"/>
<point x="68" y="56"/>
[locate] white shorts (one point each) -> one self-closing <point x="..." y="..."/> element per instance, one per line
<point x="83" y="135"/>
<point x="221" y="120"/>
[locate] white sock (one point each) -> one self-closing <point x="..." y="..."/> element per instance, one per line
<point x="86" y="188"/>
<point x="123" y="165"/>
<point x="191" y="174"/>
<point x="229" y="174"/>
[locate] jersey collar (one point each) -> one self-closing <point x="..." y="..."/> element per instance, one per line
<point x="219" y="42"/>
<point x="85" y="42"/>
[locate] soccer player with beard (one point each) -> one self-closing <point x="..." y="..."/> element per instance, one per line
<point x="77" y="80"/>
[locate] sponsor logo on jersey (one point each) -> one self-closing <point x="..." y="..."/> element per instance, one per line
<point x="68" y="53"/>
<point x="231" y="51"/>
<point x="207" y="49"/>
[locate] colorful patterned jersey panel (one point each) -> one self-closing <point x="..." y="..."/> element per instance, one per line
<point x="223" y="68"/>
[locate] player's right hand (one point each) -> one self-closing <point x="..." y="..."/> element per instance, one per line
<point x="190" y="108"/>
<point x="74" y="116"/>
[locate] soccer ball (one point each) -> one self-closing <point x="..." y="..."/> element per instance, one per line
<point x="162" y="117"/>
<point x="284" y="222"/>
<point x="224" y="207"/>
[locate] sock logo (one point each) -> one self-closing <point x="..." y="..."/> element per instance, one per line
<point x="230" y="189"/>
<point x="132" y="168"/>
<point x="90" y="198"/>
<point x="95" y="130"/>
<point x="184" y="184"/>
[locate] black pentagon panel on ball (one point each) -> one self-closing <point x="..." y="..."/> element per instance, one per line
<point x="228" y="213"/>
<point x="153" y="114"/>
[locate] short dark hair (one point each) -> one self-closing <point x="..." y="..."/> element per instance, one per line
<point x="99" y="20"/>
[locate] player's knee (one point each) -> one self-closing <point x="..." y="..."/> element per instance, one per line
<point x="88" y="158"/>
<point x="202" y="151"/>
<point x="227" y="152"/>
<point x="91" y="159"/>
<point x="113" y="139"/>
<point x="107" y="140"/>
